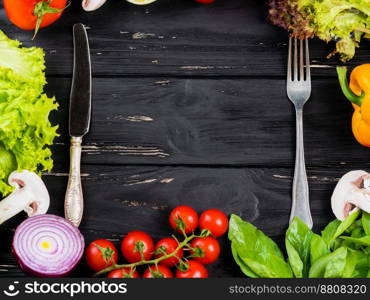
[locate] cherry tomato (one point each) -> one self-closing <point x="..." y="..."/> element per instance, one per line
<point x="195" y="270"/>
<point x="205" y="1"/>
<point x="215" y="221"/>
<point x="123" y="273"/>
<point x="101" y="254"/>
<point x="25" y="13"/>
<point x="168" y="245"/>
<point x="132" y="242"/>
<point x="157" y="272"/>
<point x="207" y="248"/>
<point x="184" y="217"/>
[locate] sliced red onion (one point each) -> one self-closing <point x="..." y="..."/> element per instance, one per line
<point x="47" y="246"/>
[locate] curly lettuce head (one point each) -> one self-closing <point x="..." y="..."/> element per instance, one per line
<point x="25" y="129"/>
<point x="345" y="22"/>
<point x="288" y="14"/>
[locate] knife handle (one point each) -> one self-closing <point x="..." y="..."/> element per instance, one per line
<point x="73" y="204"/>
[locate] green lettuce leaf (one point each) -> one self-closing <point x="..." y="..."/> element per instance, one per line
<point x="345" y="22"/>
<point x="25" y="129"/>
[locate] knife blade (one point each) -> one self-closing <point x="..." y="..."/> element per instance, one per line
<point x="79" y="121"/>
<point x="80" y="99"/>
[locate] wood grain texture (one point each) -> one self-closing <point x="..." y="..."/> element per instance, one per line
<point x="189" y="107"/>
<point x="248" y="122"/>
<point x="120" y="199"/>
<point x="178" y="38"/>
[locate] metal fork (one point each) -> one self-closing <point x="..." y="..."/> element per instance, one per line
<point x="299" y="90"/>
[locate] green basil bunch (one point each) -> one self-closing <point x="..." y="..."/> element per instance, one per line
<point x="341" y="251"/>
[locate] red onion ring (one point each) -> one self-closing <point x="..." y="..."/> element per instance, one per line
<point x="47" y="246"/>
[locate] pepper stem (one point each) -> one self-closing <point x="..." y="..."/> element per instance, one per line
<point x="342" y="76"/>
<point x="41" y="9"/>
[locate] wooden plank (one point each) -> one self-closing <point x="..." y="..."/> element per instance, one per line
<point x="120" y="199"/>
<point x="246" y="122"/>
<point x="182" y="39"/>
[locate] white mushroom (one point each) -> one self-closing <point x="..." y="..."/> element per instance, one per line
<point x="30" y="195"/>
<point x="351" y="193"/>
<point x="90" y="5"/>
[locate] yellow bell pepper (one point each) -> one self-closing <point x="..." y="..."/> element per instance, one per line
<point x="358" y="92"/>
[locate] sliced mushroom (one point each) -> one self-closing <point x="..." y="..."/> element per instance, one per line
<point x="30" y="195"/>
<point x="90" y="5"/>
<point x="351" y="193"/>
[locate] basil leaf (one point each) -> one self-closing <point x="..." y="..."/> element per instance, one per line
<point x="243" y="267"/>
<point x="365" y="240"/>
<point x="299" y="237"/>
<point x="329" y="265"/>
<point x="294" y="260"/>
<point x="318" y="248"/>
<point x="347" y="222"/>
<point x="336" y="265"/>
<point x="266" y="265"/>
<point x="357" y="265"/>
<point x="350" y="266"/>
<point x="248" y="236"/>
<point x="366" y="222"/>
<point x="335" y="228"/>
<point x="358" y="232"/>
<point x="330" y="230"/>
<point x="257" y="251"/>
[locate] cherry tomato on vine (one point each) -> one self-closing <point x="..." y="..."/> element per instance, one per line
<point x="133" y="243"/>
<point x="34" y="14"/>
<point x="205" y="1"/>
<point x="167" y="246"/>
<point x="195" y="270"/>
<point x="101" y="254"/>
<point x="157" y="272"/>
<point x="184" y="217"/>
<point x="207" y="249"/>
<point x="215" y="221"/>
<point x="123" y="273"/>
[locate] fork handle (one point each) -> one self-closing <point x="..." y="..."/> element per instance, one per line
<point x="300" y="196"/>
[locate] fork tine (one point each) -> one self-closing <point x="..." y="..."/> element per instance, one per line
<point x="301" y="65"/>
<point x="289" y="72"/>
<point x="295" y="70"/>
<point x="308" y="72"/>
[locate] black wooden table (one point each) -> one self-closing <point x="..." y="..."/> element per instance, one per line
<point x="189" y="107"/>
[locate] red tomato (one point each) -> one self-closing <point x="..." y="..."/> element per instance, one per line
<point x="123" y="273"/>
<point x="215" y="221"/>
<point x="168" y="245"/>
<point x="101" y="254"/>
<point x="22" y="13"/>
<point x="185" y="217"/>
<point x="157" y="272"/>
<point x="207" y="247"/>
<point x="132" y="242"/>
<point x="205" y="1"/>
<point x="195" y="270"/>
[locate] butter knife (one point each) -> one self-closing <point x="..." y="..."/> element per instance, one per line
<point x="79" y="121"/>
